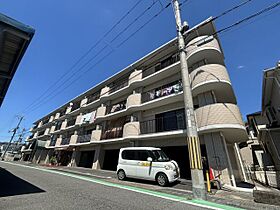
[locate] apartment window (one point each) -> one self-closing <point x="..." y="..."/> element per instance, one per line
<point x="169" y="121"/>
<point x="198" y="64"/>
<point x="161" y="65"/>
<point x="206" y="98"/>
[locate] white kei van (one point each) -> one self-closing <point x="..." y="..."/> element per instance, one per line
<point x="147" y="163"/>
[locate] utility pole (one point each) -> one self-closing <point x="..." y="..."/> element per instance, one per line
<point x="19" y="139"/>
<point x="14" y="133"/>
<point x="198" y="187"/>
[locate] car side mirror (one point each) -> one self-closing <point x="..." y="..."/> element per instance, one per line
<point x="150" y="159"/>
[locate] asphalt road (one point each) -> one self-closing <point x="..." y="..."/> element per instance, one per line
<point x="27" y="188"/>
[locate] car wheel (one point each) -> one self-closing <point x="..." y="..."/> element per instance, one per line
<point x="162" y="179"/>
<point x="121" y="175"/>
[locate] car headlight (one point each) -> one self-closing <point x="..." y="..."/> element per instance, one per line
<point x="168" y="167"/>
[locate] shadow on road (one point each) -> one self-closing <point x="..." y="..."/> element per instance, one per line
<point x="11" y="185"/>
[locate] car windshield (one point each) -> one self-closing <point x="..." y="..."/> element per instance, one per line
<point x="159" y="156"/>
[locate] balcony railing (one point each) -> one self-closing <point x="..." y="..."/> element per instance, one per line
<point x="75" y="107"/>
<point x="118" y="86"/>
<point x="62" y="112"/>
<point x="45" y="121"/>
<point x="71" y="122"/>
<point x="116" y="107"/>
<point x="163" y="124"/>
<point x="84" y="138"/>
<point x="93" y="97"/>
<point x="112" y="133"/>
<point x="65" y="140"/>
<point x="163" y="64"/>
<point x="41" y="133"/>
<point x="174" y="87"/>
<point x="52" y="142"/>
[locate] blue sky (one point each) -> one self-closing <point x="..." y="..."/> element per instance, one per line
<point x="66" y="29"/>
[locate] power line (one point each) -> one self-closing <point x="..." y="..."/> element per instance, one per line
<point x="38" y="102"/>
<point x="86" y="53"/>
<point x="233" y="25"/>
<point x="146" y="23"/>
<point x="133" y="22"/>
<point x="267" y="9"/>
<point x="156" y="15"/>
<point x="231" y="9"/>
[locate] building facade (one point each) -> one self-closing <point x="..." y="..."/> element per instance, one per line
<point x="142" y="105"/>
<point x="264" y="127"/>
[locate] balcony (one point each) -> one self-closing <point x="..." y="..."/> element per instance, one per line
<point x="93" y="97"/>
<point x="75" y="107"/>
<point x="41" y="133"/>
<point x="112" y="133"/>
<point x="71" y="123"/>
<point x="65" y="141"/>
<point x="58" y="126"/>
<point x="159" y="66"/>
<point x="163" y="124"/>
<point x="223" y="117"/>
<point x="118" y="86"/>
<point x="171" y="88"/>
<point x="202" y="47"/>
<point x="84" y="138"/>
<point x="52" y="142"/>
<point x="116" y="107"/>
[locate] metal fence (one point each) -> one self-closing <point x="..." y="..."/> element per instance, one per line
<point x="84" y="138"/>
<point x="163" y="124"/>
<point x="65" y="141"/>
<point x="113" y="133"/>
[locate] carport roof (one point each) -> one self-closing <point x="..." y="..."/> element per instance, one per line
<point x="14" y="40"/>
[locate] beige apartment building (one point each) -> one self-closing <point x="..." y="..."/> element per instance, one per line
<point x="142" y="105"/>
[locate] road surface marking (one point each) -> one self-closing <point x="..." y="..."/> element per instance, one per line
<point x="198" y="203"/>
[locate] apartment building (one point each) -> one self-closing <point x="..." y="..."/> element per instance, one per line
<point x="264" y="126"/>
<point x="142" y="105"/>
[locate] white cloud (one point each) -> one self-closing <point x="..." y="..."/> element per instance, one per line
<point x="240" y="67"/>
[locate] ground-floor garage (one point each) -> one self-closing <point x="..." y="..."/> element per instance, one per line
<point x="111" y="159"/>
<point x="86" y="159"/>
